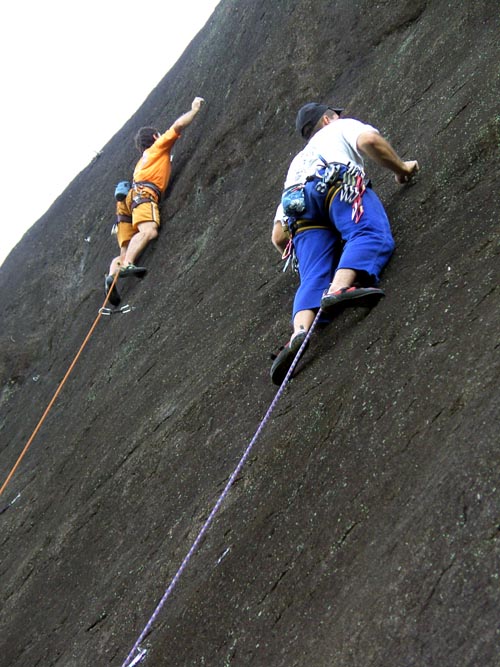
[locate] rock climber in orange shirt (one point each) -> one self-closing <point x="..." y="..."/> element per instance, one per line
<point x="151" y="176"/>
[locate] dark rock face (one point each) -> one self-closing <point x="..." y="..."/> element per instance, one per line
<point x="364" y="528"/>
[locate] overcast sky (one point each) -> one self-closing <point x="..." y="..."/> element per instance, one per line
<point x="66" y="70"/>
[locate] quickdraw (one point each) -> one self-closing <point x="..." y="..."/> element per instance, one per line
<point x="4" y="509"/>
<point x="329" y="176"/>
<point x="353" y="187"/>
<point x="351" y="184"/>
<point x="139" y="657"/>
<point x="290" y="258"/>
<point x="113" y="311"/>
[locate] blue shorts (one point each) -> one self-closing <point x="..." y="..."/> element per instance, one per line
<point x="364" y="246"/>
<point x="368" y="244"/>
<point x="317" y="253"/>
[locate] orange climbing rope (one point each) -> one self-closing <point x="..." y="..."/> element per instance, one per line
<point x="59" y="388"/>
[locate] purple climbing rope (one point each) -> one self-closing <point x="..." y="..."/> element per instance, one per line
<point x="136" y="647"/>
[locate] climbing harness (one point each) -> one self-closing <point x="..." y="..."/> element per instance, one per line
<point x="130" y="659"/>
<point x="293" y="198"/>
<point x="297" y="226"/>
<point x="59" y="389"/>
<point x="138" y="185"/>
<point x="333" y="178"/>
<point x="144" y="192"/>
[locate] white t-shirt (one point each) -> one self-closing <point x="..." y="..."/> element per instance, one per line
<point x="336" y="142"/>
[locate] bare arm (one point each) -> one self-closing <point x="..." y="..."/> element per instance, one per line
<point x="186" y="118"/>
<point x="280" y="236"/>
<point x="374" y="146"/>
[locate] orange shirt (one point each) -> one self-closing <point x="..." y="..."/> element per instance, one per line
<point x="154" y="165"/>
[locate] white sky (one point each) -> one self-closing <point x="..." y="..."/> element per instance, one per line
<point x="76" y="70"/>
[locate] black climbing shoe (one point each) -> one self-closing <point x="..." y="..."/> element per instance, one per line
<point x="284" y="359"/>
<point x="345" y="294"/>
<point x="132" y="270"/>
<point x="114" y="298"/>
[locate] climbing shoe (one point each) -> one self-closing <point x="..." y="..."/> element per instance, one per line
<point x="347" y="294"/>
<point x="114" y="298"/>
<point x="284" y="359"/>
<point x="132" y="270"/>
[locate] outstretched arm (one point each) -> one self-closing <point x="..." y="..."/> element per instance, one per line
<point x="374" y="146"/>
<point x="186" y="118"/>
